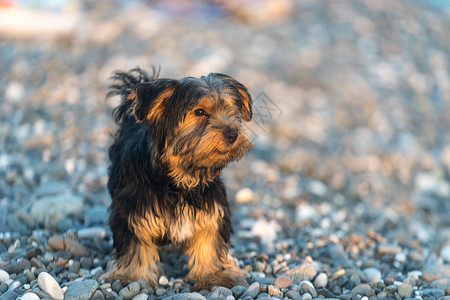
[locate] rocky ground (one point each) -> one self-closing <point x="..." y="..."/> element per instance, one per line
<point x="346" y="194"/>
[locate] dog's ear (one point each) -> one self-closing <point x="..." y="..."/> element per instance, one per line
<point x="245" y="96"/>
<point x="150" y="98"/>
<point x="246" y="101"/>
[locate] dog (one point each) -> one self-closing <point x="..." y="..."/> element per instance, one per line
<point x="174" y="138"/>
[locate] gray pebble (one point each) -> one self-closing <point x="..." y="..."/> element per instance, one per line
<point x="160" y="291"/>
<point x="130" y="290"/>
<point x="307" y="287"/>
<point x="185" y="296"/>
<point x="219" y="292"/>
<point x="252" y="291"/>
<point x="238" y="291"/>
<point x="363" y="290"/>
<point x="117" y="286"/>
<point x="75" y="266"/>
<point x="293" y="295"/>
<point x="9" y="295"/>
<point x="82" y="290"/>
<point x="98" y="295"/>
<point x="373" y="274"/>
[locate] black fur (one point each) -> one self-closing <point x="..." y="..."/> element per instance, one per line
<point x="137" y="178"/>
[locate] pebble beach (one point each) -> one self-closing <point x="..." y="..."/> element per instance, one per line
<point x="346" y="194"/>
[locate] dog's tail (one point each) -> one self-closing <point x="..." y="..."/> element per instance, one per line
<point x="123" y="84"/>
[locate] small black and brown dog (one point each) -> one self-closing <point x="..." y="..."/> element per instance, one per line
<point x="174" y="139"/>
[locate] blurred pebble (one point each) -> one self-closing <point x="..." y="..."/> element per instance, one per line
<point x="445" y="253"/>
<point x="140" y="297"/>
<point x="404" y="290"/>
<point x="244" y="195"/>
<point x="3" y="276"/>
<point x="372" y="274"/>
<point x="130" y="290"/>
<point x="30" y="296"/>
<point x="163" y="280"/>
<point x="283" y="281"/>
<point x="49" y="285"/>
<point x="321" y="280"/>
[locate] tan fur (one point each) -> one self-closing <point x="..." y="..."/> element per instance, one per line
<point x="212" y="149"/>
<point x="159" y="105"/>
<point x="196" y="232"/>
<point x="141" y="262"/>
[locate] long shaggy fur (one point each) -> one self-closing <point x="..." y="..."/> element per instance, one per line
<point x="164" y="177"/>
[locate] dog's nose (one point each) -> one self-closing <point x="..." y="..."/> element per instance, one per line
<point x="231" y="135"/>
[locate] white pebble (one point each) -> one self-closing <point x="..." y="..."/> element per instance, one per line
<point x="30" y="296"/>
<point x="244" y="195"/>
<point x="140" y="297"/>
<point x="91" y="232"/>
<point x="3" y="275"/>
<point x="373" y="274"/>
<point x="163" y="280"/>
<point x="321" y="281"/>
<point x="306" y="296"/>
<point x="49" y="285"/>
<point x="364" y="298"/>
<point x="417" y="273"/>
<point x="445" y="253"/>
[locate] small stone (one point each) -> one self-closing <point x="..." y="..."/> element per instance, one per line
<point x="244" y="195"/>
<point x="9" y="295"/>
<point x="58" y="206"/>
<point x="386" y="249"/>
<point x="3" y="275"/>
<point x="321" y="280"/>
<point x="283" y="281"/>
<point x="306" y="271"/>
<point x="140" y="297"/>
<point x="33" y="252"/>
<point x="160" y="291"/>
<point x="373" y="274"/>
<point x="238" y="291"/>
<point x="219" y="292"/>
<point x="81" y="290"/>
<point x="91" y="232"/>
<point x="117" y="286"/>
<point x="49" y="285"/>
<point x="98" y="295"/>
<point x="293" y="295"/>
<point x="274" y="291"/>
<point x="404" y="289"/>
<point x="86" y="263"/>
<point x="4" y="287"/>
<point x="362" y="290"/>
<point x="306" y="296"/>
<point x="130" y="290"/>
<point x="445" y="253"/>
<point x="62" y="243"/>
<point x="163" y="280"/>
<point x="14" y="285"/>
<point x="307" y="287"/>
<point x="186" y="296"/>
<point x="75" y="266"/>
<point x="30" y="296"/>
<point x="252" y="291"/>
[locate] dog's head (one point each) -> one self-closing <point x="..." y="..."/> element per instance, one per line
<point x="195" y="123"/>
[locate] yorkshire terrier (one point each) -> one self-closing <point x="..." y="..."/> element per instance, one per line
<point x="174" y="139"/>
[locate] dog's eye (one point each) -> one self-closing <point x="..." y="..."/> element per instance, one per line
<point x="200" y="112"/>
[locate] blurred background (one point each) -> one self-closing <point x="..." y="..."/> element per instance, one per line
<point x="351" y="115"/>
